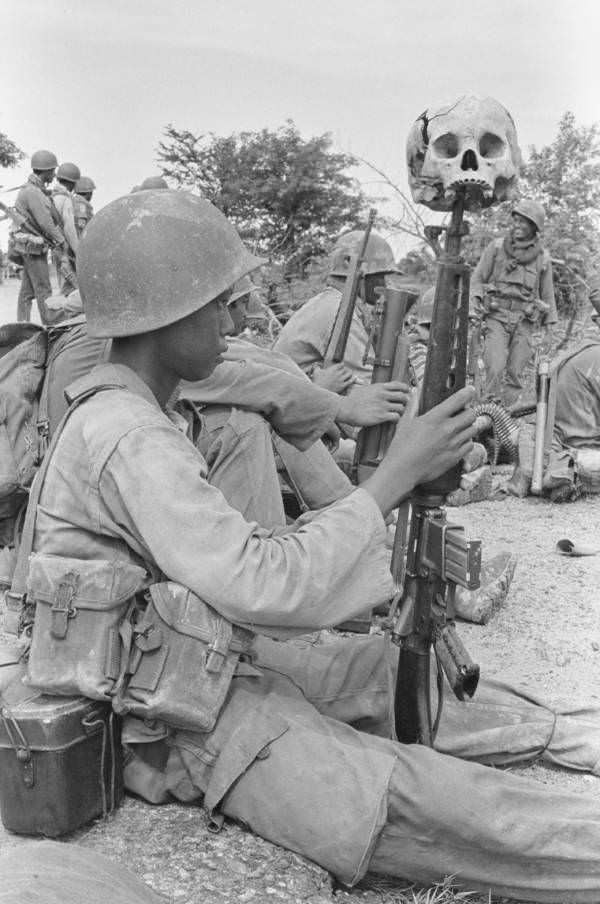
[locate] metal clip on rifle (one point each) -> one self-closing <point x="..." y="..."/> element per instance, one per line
<point x="431" y="556"/>
<point x="336" y="346"/>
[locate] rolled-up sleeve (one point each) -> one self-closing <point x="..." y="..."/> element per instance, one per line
<point x="326" y="571"/>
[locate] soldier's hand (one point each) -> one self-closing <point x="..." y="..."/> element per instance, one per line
<point x="337" y="378"/>
<point x="374" y="403"/>
<point x="423" y="448"/>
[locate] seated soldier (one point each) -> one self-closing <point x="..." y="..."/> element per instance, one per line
<point x="284" y="756"/>
<point x="228" y="434"/>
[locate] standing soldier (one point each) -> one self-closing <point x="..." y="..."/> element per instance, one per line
<point x="39" y="231"/>
<point x="67" y="176"/>
<point x="512" y="292"/>
<point x="82" y="203"/>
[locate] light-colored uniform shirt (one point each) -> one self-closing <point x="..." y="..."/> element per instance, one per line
<point x="126" y="485"/>
<point x="577" y="417"/>
<point x="305" y="336"/>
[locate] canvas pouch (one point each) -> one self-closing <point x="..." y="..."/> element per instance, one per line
<point x="183" y="655"/>
<point x="78" y="641"/>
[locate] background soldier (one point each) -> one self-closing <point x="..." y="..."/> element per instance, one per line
<point x="33" y="238"/>
<point x="305" y="336"/>
<point x="67" y="176"/>
<point x="512" y="291"/>
<point x="82" y="203"/>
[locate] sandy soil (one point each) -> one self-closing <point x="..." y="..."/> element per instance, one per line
<point x="546" y="638"/>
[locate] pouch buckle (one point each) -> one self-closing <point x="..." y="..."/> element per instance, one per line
<point x="62" y="610"/>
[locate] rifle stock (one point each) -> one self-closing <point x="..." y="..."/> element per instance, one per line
<point x="336" y="346"/>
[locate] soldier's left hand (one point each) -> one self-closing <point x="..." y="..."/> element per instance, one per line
<point x="374" y="403"/>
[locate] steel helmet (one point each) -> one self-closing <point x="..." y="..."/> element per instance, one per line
<point x="153" y="182"/>
<point x="85" y="184"/>
<point x="242" y="287"/>
<point x="149" y="259"/>
<point x="68" y="171"/>
<point x="378" y="257"/>
<point x="532" y="211"/>
<point x="424" y="307"/>
<point x="43" y="160"/>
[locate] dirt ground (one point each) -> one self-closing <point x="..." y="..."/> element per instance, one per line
<point x="546" y="638"/>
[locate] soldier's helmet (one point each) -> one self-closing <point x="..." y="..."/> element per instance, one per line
<point x="68" y="171"/>
<point x="423" y="312"/>
<point x="84" y="184"/>
<point x="149" y="259"/>
<point x="43" y="160"/>
<point x="533" y="212"/>
<point x="243" y="286"/>
<point x="152" y="182"/>
<point x="379" y="257"/>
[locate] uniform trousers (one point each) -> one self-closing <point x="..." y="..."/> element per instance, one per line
<point x="507" y="350"/>
<point x="35" y="283"/>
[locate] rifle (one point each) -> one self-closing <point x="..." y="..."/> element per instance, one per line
<point x="431" y="556"/>
<point x="338" y="339"/>
<point x="390" y="362"/>
<point x="21" y="222"/>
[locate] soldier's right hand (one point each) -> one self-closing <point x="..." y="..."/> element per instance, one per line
<point x="423" y="448"/>
<point x="337" y="378"/>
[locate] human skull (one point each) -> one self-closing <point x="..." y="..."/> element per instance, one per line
<point x="471" y="143"/>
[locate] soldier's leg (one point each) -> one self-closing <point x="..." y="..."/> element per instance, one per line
<point x="26" y="293"/>
<point x="237" y="448"/>
<point x="39" y="275"/>
<point x="313" y="473"/>
<point x="352" y="802"/>
<point x="520" y="353"/>
<point x="495" y="351"/>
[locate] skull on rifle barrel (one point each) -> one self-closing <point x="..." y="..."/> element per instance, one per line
<point x="470" y="144"/>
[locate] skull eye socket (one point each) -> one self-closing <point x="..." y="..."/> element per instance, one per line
<point x="446" y="145"/>
<point x="491" y="145"/>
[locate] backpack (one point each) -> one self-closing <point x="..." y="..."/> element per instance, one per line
<point x="23" y="350"/>
<point x="34" y="371"/>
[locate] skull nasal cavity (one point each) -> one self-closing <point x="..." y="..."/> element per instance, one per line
<point x="469" y="161"/>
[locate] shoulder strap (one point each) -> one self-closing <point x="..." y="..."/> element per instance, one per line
<point x="19" y="582"/>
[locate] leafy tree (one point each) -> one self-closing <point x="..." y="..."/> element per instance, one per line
<point x="10" y="154"/>
<point x="288" y="196"/>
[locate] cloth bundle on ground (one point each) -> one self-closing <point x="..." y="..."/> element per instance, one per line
<point x="48" y="872"/>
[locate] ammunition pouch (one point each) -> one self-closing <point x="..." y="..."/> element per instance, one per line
<point x="183" y="655"/>
<point x="80" y="609"/>
<point x="22" y="242"/>
<point x="509" y="310"/>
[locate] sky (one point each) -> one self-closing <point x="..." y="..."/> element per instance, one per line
<point x="96" y="81"/>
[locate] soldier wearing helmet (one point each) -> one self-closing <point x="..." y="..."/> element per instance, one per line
<point x="306" y="334"/>
<point x="82" y="203"/>
<point x="512" y="291"/>
<point x="67" y="176"/>
<point x="39" y="231"/>
<point x="125" y="506"/>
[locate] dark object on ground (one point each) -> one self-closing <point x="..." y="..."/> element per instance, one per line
<point x="60" y="761"/>
<point x="568" y="548"/>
